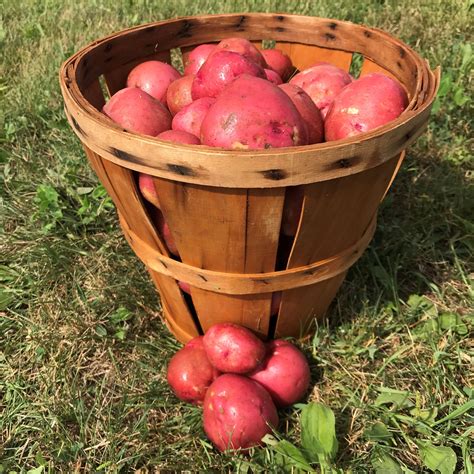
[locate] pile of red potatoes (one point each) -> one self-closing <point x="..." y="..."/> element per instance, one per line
<point x="234" y="96"/>
<point x="240" y="382"/>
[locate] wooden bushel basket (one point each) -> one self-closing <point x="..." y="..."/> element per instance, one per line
<point x="224" y="208"/>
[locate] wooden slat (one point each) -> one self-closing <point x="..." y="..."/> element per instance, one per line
<point x="122" y="188"/>
<point x="304" y="56"/>
<point x="230" y="230"/>
<point x="94" y="95"/>
<point x="335" y="214"/>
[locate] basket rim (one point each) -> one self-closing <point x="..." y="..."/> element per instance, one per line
<point x="74" y="97"/>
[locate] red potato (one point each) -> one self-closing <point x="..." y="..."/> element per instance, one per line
<point x="190" y="118"/>
<point x="178" y="94"/>
<point x="279" y="62"/>
<point x="195" y="342"/>
<point x="147" y="188"/>
<point x="153" y="77"/>
<point x="237" y="413"/>
<point x="190" y="374"/>
<point x="185" y="287"/>
<point x="197" y="57"/>
<point x="243" y="47"/>
<point x="309" y="112"/>
<point x="284" y="373"/>
<point x="239" y="120"/>
<point x="367" y="103"/>
<point x="233" y="348"/>
<point x="179" y="136"/>
<point x="221" y="69"/>
<point x="164" y="231"/>
<point x="138" y="111"/>
<point x="292" y="210"/>
<point x="322" y="82"/>
<point x="273" y="76"/>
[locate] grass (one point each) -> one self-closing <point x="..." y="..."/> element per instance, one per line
<point x="83" y="350"/>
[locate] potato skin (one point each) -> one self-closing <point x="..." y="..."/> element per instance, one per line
<point x="197" y="57"/>
<point x="238" y="120"/>
<point x="367" y="103"/>
<point x="322" y="82"/>
<point x="179" y="136"/>
<point x="178" y="94"/>
<point x="284" y="373"/>
<point x="233" y="348"/>
<point x="237" y="413"/>
<point x="138" y="111"/>
<point x="153" y="77"/>
<point x="273" y="76"/>
<point x="190" y="374"/>
<point x="243" y="47"/>
<point x="220" y="69"/>
<point x="279" y="62"/>
<point x="189" y="119"/>
<point x="309" y="112"/>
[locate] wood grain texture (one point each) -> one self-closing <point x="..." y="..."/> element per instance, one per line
<point x="236" y="284"/>
<point x="303" y="55"/>
<point x="122" y="188"/>
<point x="230" y="230"/>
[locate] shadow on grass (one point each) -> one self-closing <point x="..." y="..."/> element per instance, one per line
<point x="421" y="242"/>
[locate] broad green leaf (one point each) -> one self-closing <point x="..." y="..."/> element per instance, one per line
<point x="36" y="470"/>
<point x="292" y="456"/>
<point x="437" y="458"/>
<point x="384" y="464"/>
<point x="452" y="321"/>
<point x="400" y="398"/>
<point x="318" y="432"/>
<point x="459" y="98"/>
<point x="378" y="432"/>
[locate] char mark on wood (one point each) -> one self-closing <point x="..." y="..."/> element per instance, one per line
<point x="280" y="29"/>
<point x="108" y="47"/>
<point x="330" y="36"/>
<point x="77" y="127"/>
<point x="181" y="170"/>
<point x="274" y="175"/>
<point x="367" y="34"/>
<point x="332" y="25"/>
<point x="202" y="277"/>
<point x="280" y="18"/>
<point x="402" y="52"/>
<point x="125" y="155"/>
<point x="185" y="32"/>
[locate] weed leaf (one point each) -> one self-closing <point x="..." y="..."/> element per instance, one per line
<point x="378" y="432"/>
<point x="384" y="463"/>
<point x="318" y="432"/>
<point x="291" y="454"/>
<point x="437" y="458"/>
<point x="399" y="398"/>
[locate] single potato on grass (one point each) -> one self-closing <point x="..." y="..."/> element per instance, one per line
<point x="233" y="348"/>
<point x="284" y="373"/>
<point x="190" y="373"/>
<point x="238" y="413"/>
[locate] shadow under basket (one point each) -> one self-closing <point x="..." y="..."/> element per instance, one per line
<point x="224" y="207"/>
